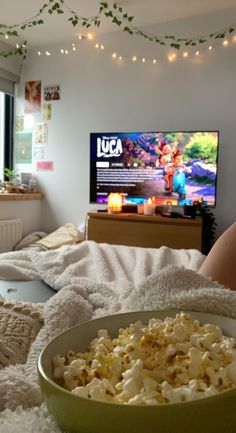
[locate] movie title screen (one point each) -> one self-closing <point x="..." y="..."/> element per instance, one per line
<point x="175" y="166"/>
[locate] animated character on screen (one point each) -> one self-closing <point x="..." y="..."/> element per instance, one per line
<point x="176" y="171"/>
<point x="166" y="152"/>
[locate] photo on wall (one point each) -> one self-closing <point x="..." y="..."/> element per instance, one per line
<point x="23" y="147"/>
<point x="19" y="123"/>
<point x="47" y="111"/>
<point x="32" y="96"/>
<point x="41" y="133"/>
<point x="52" y="92"/>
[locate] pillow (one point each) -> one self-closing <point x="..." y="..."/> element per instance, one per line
<point x="65" y="235"/>
<point x="20" y="322"/>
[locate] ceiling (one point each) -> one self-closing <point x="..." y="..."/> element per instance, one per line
<point x="145" y="12"/>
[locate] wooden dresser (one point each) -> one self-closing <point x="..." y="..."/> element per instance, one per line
<point x="144" y="230"/>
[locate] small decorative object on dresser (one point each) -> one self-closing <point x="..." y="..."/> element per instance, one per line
<point x="115" y="203"/>
<point x="149" y="207"/>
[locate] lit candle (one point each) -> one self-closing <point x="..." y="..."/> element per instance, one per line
<point x="114" y="203"/>
<point x="140" y="208"/>
<point x="149" y="207"/>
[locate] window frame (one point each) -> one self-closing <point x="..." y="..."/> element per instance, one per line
<point x="8" y="135"/>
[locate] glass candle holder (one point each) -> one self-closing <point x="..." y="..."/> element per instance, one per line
<point x="149" y="207"/>
<point x="115" y="201"/>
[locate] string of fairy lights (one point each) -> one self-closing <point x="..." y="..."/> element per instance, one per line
<point x="176" y="46"/>
<point x="172" y="56"/>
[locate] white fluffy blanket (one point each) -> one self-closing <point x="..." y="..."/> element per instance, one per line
<point x="95" y="280"/>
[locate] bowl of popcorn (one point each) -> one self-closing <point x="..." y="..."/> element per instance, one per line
<point x="143" y="372"/>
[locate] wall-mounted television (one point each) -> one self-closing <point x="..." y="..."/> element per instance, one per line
<point x="173" y="167"/>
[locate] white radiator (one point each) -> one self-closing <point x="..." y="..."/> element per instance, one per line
<point x="10" y="234"/>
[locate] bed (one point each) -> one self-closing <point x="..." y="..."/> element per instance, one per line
<point x="87" y="280"/>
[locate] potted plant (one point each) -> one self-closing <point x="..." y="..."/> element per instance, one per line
<point x="209" y="225"/>
<point x="12" y="177"/>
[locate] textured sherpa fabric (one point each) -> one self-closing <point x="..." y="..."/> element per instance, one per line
<point x="172" y="287"/>
<point x="20" y="322"/>
<point x="94" y="280"/>
<point x="99" y="262"/>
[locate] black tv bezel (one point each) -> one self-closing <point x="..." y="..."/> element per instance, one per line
<point x="156" y="132"/>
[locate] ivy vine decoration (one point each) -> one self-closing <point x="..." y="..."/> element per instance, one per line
<point x="113" y="12"/>
<point x="123" y="20"/>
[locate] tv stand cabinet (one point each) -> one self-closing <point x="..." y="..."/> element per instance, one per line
<point x="144" y="230"/>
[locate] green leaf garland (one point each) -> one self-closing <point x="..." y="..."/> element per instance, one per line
<point x="115" y="13"/>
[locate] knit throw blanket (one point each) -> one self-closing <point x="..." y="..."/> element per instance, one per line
<point x="92" y="281"/>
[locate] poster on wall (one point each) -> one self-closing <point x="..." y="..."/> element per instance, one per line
<point x="19" y="123"/>
<point x="47" y="111"/>
<point x="45" y="166"/>
<point x="38" y="152"/>
<point x="23" y="147"/>
<point x="32" y="96"/>
<point x="52" y="92"/>
<point x="41" y="133"/>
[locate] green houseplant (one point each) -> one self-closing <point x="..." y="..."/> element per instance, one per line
<point x="208" y="225"/>
<point x="11" y="176"/>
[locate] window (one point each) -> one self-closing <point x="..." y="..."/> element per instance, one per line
<point x="6" y="131"/>
<point x="2" y="111"/>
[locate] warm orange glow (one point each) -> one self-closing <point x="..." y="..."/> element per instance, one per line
<point x="115" y="202"/>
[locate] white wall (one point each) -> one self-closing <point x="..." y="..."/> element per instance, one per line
<point x="29" y="211"/>
<point x="99" y="95"/>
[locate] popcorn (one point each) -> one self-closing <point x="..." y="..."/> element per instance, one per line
<point x="168" y="361"/>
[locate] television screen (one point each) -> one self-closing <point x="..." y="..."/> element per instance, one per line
<point x="170" y="167"/>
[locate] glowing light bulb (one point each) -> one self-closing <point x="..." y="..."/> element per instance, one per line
<point x="234" y="38"/>
<point x="6" y="37"/>
<point x="39" y="53"/>
<point x="185" y="54"/>
<point x="97" y="46"/>
<point x="154" y="61"/>
<point x="197" y="53"/>
<point x="28" y="121"/>
<point x="102" y="47"/>
<point x="90" y="36"/>
<point x="47" y="53"/>
<point x="80" y="37"/>
<point x="225" y="42"/>
<point x="210" y="47"/>
<point x="17" y="46"/>
<point x="172" y="57"/>
<point x="143" y="60"/>
<point x="73" y="48"/>
<point x="134" y="59"/>
<point x="66" y="51"/>
<point x="114" y="55"/>
<point x="120" y="57"/>
<point x="62" y="51"/>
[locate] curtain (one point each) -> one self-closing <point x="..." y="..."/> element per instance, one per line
<point x="7" y="81"/>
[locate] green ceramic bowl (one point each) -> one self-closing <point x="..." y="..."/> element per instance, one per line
<point x="75" y="414"/>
